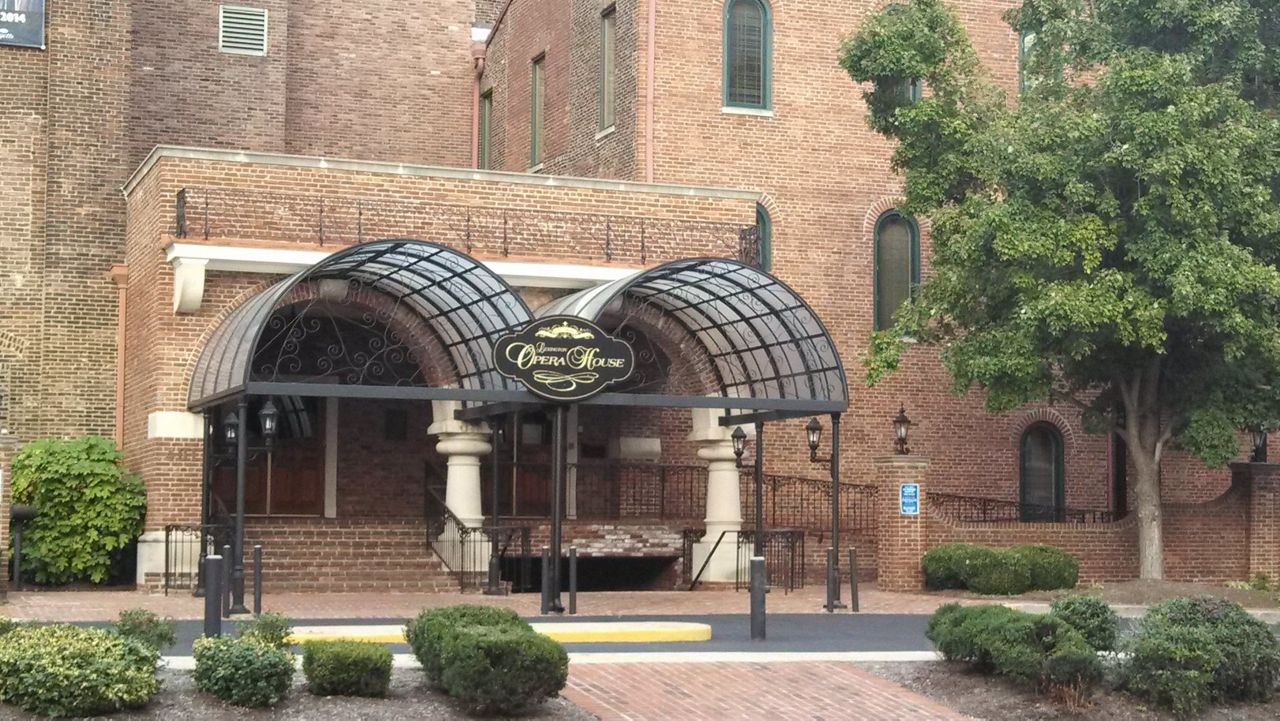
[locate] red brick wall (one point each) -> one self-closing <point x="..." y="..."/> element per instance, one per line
<point x="377" y="477"/>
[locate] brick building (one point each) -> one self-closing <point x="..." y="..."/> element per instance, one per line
<point x="565" y="144"/>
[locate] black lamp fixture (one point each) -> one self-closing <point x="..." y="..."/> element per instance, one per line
<point x="231" y="428"/>
<point x="739" y="437"/>
<point x="813" y="429"/>
<point x="267" y="418"/>
<point x="1259" y="444"/>
<point x="901" y="428"/>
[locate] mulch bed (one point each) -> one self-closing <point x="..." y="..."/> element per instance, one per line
<point x="1141" y="593"/>
<point x="988" y="697"/>
<point x="408" y="698"/>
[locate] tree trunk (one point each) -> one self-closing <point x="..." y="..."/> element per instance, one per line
<point x="1150" y="520"/>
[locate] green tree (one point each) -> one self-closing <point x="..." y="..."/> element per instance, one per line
<point x="1109" y="239"/>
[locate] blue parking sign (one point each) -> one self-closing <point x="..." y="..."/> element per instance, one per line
<point x="909" y="499"/>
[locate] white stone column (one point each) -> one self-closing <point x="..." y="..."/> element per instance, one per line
<point x="724" y="497"/>
<point x="463" y="444"/>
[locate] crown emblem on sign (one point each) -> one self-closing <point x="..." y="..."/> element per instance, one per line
<point x="566" y="330"/>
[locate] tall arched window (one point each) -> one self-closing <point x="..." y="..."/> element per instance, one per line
<point x="1041" y="488"/>
<point x="897" y="264"/>
<point x="764" y="229"/>
<point x="747" y="40"/>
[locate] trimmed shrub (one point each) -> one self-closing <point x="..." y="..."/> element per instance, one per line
<point x="147" y="628"/>
<point x="90" y="508"/>
<point x="242" y="671"/>
<point x="1092" y="617"/>
<point x="998" y="573"/>
<point x="346" y="668"/>
<point x="1051" y="568"/>
<point x="268" y="629"/>
<point x="427" y="632"/>
<point x="7" y="625"/>
<point x="502" y="669"/>
<point x="72" y="671"/>
<point x="1249" y="665"/>
<point x="946" y="566"/>
<point x="1042" y="650"/>
<point x="1172" y="666"/>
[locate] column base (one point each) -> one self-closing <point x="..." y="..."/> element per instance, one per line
<point x="724" y="565"/>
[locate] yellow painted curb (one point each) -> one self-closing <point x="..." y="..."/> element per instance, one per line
<point x="586" y="632"/>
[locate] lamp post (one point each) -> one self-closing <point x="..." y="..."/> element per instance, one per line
<point x="1259" y="445"/>
<point x="494" y="587"/>
<point x="901" y="428"/>
<point x="813" y="433"/>
<point x="235" y="431"/>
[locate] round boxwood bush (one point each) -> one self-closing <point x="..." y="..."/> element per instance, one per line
<point x="502" y="669"/>
<point x="72" y="671"/>
<point x="1172" y="666"/>
<point x="147" y="628"/>
<point x="946" y="566"/>
<point x="1051" y="568"/>
<point x="1092" y="617"/>
<point x="346" y="668"/>
<point x="242" y="671"/>
<point x="999" y="573"/>
<point x="1248" y="668"/>
<point x="427" y="632"/>
<point x="268" y="629"/>
<point x="90" y="508"/>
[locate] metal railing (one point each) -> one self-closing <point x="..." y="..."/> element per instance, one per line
<point x="800" y="502"/>
<point x="784" y="558"/>
<point x="977" y="509"/>
<point x="604" y="491"/>
<point x="185" y="548"/>
<point x="465" y="550"/>
<point x="211" y="213"/>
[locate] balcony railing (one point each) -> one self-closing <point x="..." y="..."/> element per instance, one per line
<point x="339" y="221"/>
<point x="976" y="509"/>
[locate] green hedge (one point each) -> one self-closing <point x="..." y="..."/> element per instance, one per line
<point x="1036" y="649"/>
<point x="502" y="669"/>
<point x="1173" y="666"/>
<point x="73" y="671"/>
<point x="346" y="668"/>
<point x="242" y="671"/>
<point x="1092" y="617"/>
<point x="1248" y="665"/>
<point x="427" y="632"/>
<point x="91" y="509"/>
<point x="999" y="571"/>
<point x="147" y="628"/>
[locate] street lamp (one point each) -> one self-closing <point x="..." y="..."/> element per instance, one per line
<point x="1259" y="445"/>
<point x="739" y="437"/>
<point x="901" y="427"/>
<point x="813" y="433"/>
<point x="267" y="418"/>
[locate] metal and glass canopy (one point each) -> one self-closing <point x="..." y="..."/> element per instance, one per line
<point x="772" y="357"/>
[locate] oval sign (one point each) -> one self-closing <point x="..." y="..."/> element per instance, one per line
<point x="562" y="358"/>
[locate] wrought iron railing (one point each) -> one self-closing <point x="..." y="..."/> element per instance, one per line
<point x="784" y="559"/>
<point x="977" y="509"/>
<point x="603" y="491"/>
<point x="185" y="548"/>
<point x="465" y="550"/>
<point x="799" y="502"/>
<point x="211" y="213"/>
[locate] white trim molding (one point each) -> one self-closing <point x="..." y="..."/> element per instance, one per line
<point x="191" y="261"/>
<point x="175" y="424"/>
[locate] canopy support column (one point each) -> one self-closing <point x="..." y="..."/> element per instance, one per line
<point x="237" y="550"/>
<point x="724" y="499"/>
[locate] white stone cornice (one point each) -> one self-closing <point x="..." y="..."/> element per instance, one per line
<point x="190" y="261"/>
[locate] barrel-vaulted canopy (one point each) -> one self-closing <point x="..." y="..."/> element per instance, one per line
<point x="464" y="304"/>
<point x="764" y="341"/>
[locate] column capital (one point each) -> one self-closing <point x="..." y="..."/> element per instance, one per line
<point x="443" y="422"/>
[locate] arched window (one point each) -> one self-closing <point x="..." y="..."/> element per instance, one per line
<point x="764" y="230"/>
<point x="1041" y="479"/>
<point x="746" y="54"/>
<point x="897" y="265"/>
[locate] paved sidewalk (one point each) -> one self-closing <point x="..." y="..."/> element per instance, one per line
<point x="745" y="692"/>
<point x="58" y="606"/>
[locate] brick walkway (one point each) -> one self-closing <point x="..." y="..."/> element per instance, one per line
<point x="745" y="691"/>
<point x="56" y="606"/>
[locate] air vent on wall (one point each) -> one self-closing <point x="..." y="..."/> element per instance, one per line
<point x="242" y="30"/>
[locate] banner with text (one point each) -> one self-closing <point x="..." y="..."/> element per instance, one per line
<point x="22" y="23"/>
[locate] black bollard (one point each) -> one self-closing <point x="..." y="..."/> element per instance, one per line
<point x="213" y="575"/>
<point x="257" y="580"/>
<point x="546" y="580"/>
<point x="833" y="579"/>
<point x="758" y="581"/>
<point x="17" y="556"/>
<point x="573" y="580"/>
<point x="853" y="580"/>
<point x="227" y="563"/>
